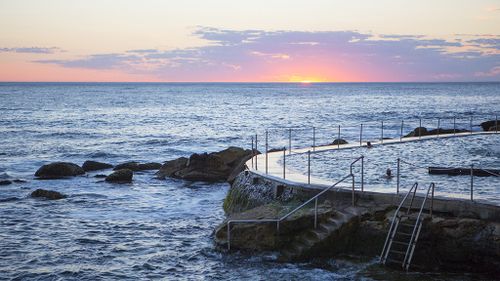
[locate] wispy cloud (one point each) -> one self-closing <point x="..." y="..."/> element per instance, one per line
<point x="334" y="55"/>
<point x="32" y="50"/>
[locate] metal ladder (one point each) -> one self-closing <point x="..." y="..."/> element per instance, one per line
<point x="404" y="231"/>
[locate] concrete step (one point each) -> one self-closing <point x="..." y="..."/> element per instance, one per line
<point x="304" y="242"/>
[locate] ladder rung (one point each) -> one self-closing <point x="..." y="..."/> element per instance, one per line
<point x="407" y="224"/>
<point x="404" y="233"/>
<point x="401" y="243"/>
<point x="393" y="261"/>
<point x="397" y="252"/>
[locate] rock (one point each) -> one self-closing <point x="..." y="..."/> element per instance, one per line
<point x="120" y="176"/>
<point x="488" y="124"/>
<point x="274" y="150"/>
<point x="58" y="170"/>
<point x="339" y="141"/>
<point x="100" y="176"/>
<point x="94" y="166"/>
<point x="5" y="182"/>
<point x="49" y="194"/>
<point x="170" y="167"/>
<point x="419" y="131"/>
<point x="135" y="166"/>
<point x="209" y="167"/>
<point x="494" y="128"/>
<point x="424" y="132"/>
<point x="19" y="181"/>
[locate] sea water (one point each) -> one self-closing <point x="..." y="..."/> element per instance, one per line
<point x="162" y="229"/>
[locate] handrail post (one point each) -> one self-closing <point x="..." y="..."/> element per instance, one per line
<point x="284" y="161"/>
<point x="398" y="175"/>
<point x="420" y="128"/>
<point x="253" y="152"/>
<point x="316" y="212"/>
<point x="471" y="125"/>
<point x="454" y="125"/>
<point x="314" y="138"/>
<point x="496" y="124"/>
<point x="228" y="237"/>
<point x="338" y="142"/>
<point x="289" y="141"/>
<point x="267" y="149"/>
<point x="382" y="133"/>
<point x="361" y="135"/>
<point x="308" y="167"/>
<point x="472" y="182"/>
<point x="352" y="175"/>
<point x="362" y="173"/>
<point x="439" y="126"/>
<point x="432" y="197"/>
<point x="401" y="132"/>
<point x="256" y="155"/>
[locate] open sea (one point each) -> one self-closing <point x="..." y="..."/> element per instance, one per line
<point x="162" y="229"/>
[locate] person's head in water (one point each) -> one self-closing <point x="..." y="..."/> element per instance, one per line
<point x="369" y="144"/>
<point x="388" y="173"/>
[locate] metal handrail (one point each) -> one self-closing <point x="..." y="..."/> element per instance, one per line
<point x="491" y="173"/>
<point x="278" y="220"/>
<point x="385" y="252"/>
<point x="417" y="227"/>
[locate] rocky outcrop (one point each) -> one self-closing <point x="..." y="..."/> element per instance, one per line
<point x="494" y="128"/>
<point x="339" y="142"/>
<point x="120" y="176"/>
<point x="58" y="170"/>
<point x="210" y="167"/>
<point x="5" y="182"/>
<point x="136" y="167"/>
<point x="95" y="166"/>
<point x="447" y="242"/>
<point x="48" y="194"/>
<point x="422" y="131"/>
<point x="487" y="125"/>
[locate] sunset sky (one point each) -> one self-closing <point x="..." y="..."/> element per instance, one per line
<point x="249" y="41"/>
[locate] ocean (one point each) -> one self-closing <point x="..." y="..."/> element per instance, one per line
<point x="162" y="229"/>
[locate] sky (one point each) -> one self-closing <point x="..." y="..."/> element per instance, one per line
<point x="249" y="41"/>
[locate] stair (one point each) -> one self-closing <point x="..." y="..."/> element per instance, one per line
<point x="312" y="237"/>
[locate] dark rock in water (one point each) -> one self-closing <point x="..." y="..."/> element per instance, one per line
<point x="135" y="166"/>
<point x="49" y="194"/>
<point x="422" y="131"/>
<point x="210" y="167"/>
<point x="494" y="128"/>
<point x="419" y="131"/>
<point x="274" y="150"/>
<point x="19" y="181"/>
<point x="94" y="166"/>
<point x="5" y="182"/>
<point x="339" y="141"/>
<point x="488" y="124"/>
<point x="170" y="167"/>
<point x="58" y="170"/>
<point x="100" y="176"/>
<point x="121" y="176"/>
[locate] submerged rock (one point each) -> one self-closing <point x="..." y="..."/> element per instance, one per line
<point x="94" y="166"/>
<point x="58" y="170"/>
<point x="422" y="131"/>
<point x="49" y="194"/>
<point x="209" y="167"/>
<point x="5" y="182"/>
<point x="120" y="176"/>
<point x="339" y="141"/>
<point x="135" y="166"/>
<point x="488" y="124"/>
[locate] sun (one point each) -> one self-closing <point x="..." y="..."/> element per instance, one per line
<point x="306" y="81"/>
